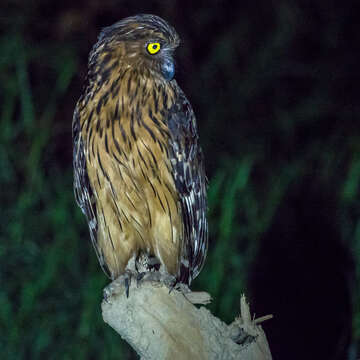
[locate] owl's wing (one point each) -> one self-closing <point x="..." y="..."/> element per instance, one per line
<point x="82" y="189"/>
<point x="190" y="181"/>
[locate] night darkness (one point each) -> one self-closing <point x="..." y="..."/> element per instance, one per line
<point x="274" y="86"/>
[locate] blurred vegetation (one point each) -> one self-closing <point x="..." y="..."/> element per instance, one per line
<point x="273" y="87"/>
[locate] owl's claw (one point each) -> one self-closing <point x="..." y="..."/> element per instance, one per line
<point x="127" y="282"/>
<point x="139" y="278"/>
<point x="116" y="286"/>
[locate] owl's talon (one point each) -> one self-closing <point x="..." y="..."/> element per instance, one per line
<point x="127" y="285"/>
<point x="128" y="275"/>
<point x="117" y="285"/>
<point x="139" y="278"/>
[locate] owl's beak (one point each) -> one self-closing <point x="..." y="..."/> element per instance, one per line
<point x="168" y="68"/>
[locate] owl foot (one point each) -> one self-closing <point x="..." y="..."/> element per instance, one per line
<point x="116" y="286"/>
<point x="158" y="277"/>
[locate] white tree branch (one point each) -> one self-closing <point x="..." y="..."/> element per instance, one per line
<point x="163" y="325"/>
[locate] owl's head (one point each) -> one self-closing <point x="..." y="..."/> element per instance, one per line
<point x="143" y="42"/>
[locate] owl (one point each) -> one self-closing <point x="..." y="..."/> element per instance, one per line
<point x="139" y="173"/>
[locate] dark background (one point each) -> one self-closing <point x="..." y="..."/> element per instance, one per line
<point x="274" y="85"/>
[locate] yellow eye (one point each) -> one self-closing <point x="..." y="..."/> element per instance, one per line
<point x="153" y="48"/>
